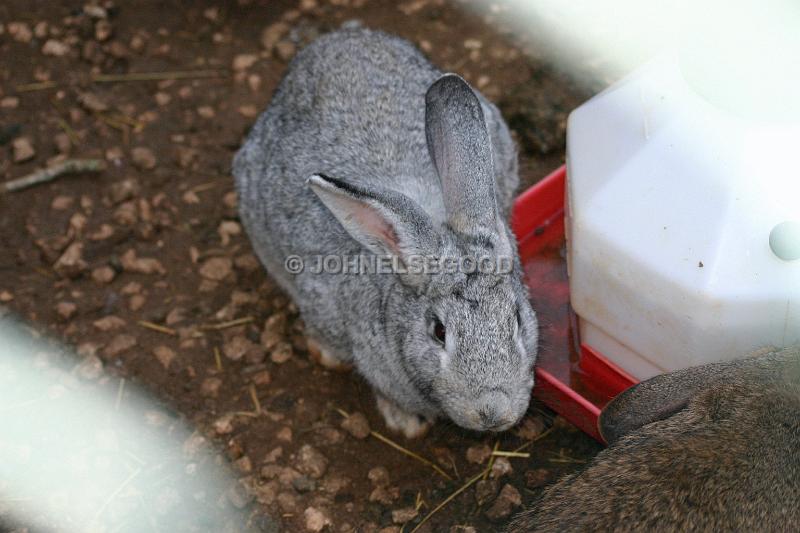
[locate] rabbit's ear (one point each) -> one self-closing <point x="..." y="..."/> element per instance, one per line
<point x="660" y="397"/>
<point x="461" y="149"/>
<point x="385" y="222"/>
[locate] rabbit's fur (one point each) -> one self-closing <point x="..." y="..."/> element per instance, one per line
<point x="710" y="448"/>
<point x="366" y="148"/>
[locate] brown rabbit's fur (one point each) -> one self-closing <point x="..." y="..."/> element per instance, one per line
<point x="711" y="448"/>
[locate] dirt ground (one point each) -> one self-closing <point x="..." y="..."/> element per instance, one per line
<point x="144" y="268"/>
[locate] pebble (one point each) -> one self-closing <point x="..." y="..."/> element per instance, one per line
<point x="479" y="453"/>
<point x="92" y="102"/>
<point x="56" y="48"/>
<point x="384" y="495"/>
<point x="63" y="143"/>
<point x="356" y="425"/>
<point x="9" y="102"/>
<point x="285" y="50"/>
<point x="108" y="323"/>
<point x="274" y="455"/>
<point x="287" y="502"/>
<point x="104" y="232"/>
<point x="485" y="491"/>
<point x="66" y="310"/>
<point x="141" y="265"/>
<point x="165" y="355"/>
<point x="124" y="190"/>
<point x="272" y="34"/>
<point x="206" y="111"/>
<point x="143" y="158"/>
<point x="501" y="467"/>
<point x="236" y="347"/>
<point x="248" y="111"/>
<point x="311" y="462"/>
<point x="136" y="302"/>
<point x="119" y="344"/>
<point x="536" y="478"/>
<point x="228" y="229"/>
<point x="216" y="268"/>
<point x="162" y="98"/>
<point x="71" y="263"/>
<point x="20" y="32"/>
<point x="90" y="368"/>
<point x="243" y="465"/>
<point x="210" y="387"/>
<point x="22" y="149"/>
<point x="62" y="202"/>
<point x="281" y="353"/>
<point x="6" y="296"/>
<point x="315" y="519"/>
<point x="303" y="484"/>
<point x="239" y="496"/>
<point x="274" y="330"/>
<point x="223" y="425"/>
<point x="406" y="514"/>
<point x="103" y="274"/>
<point x="508" y="499"/>
<point x="284" y="434"/>
<point x="378" y="476"/>
<point x="244" y="61"/>
<point x="103" y="30"/>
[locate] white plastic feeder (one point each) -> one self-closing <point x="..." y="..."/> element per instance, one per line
<point x="683" y="224"/>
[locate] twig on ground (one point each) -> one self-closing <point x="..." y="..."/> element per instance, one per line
<point x="450" y="498"/>
<point x="218" y="358"/>
<point x="501" y="453"/>
<point x="229" y="324"/>
<point x="254" y="397"/>
<point x="393" y="444"/>
<point x="158" y="327"/>
<point x="69" y="166"/>
<point x="36" y="86"/>
<point x="157" y="76"/>
<point x="491" y="459"/>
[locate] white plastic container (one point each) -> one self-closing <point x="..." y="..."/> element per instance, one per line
<point x="683" y="225"/>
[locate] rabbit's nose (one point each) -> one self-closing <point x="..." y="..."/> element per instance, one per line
<point x="496" y="412"/>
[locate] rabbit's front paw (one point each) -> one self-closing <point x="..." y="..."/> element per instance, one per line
<point x="409" y="424"/>
<point x="323" y="357"/>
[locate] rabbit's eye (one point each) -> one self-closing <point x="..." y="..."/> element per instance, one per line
<point x="438" y="331"/>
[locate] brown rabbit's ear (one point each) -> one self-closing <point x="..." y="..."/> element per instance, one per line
<point x="658" y="398"/>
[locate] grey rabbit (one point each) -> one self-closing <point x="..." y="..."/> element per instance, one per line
<point x="368" y="150"/>
<point x="710" y="448"/>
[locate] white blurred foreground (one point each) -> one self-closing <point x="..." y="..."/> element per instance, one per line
<point x="82" y="452"/>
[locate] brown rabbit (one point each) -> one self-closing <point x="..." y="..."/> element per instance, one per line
<point x="710" y="448"/>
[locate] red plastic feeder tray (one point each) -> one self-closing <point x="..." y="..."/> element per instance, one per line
<point x="571" y="378"/>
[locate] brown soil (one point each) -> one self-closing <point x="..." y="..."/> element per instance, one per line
<point x="173" y="202"/>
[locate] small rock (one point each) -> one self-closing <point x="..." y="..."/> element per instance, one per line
<point x="165" y="355"/>
<point x="216" y="268"/>
<point x="103" y="274"/>
<point x="62" y="203"/>
<point x="384" y="495"/>
<point x="406" y="514"/>
<point x="357" y="425"/>
<point x="274" y="330"/>
<point x="104" y="232"/>
<point x="273" y="455"/>
<point x="66" y="310"/>
<point x="91" y="102"/>
<point x="9" y="102"/>
<point x="176" y="315"/>
<point x="311" y="462"/>
<point x="262" y="378"/>
<point x="236" y="347"/>
<point x="210" y="387"/>
<point x="287" y="502"/>
<point x="136" y="302"/>
<point x="206" y="111"/>
<point x="316" y="520"/>
<point x="272" y="34"/>
<point x="141" y="265"/>
<point x="224" y="425"/>
<point x="102" y="30"/>
<point x="127" y="214"/>
<point x="536" y="478"/>
<point x="162" y="98"/>
<point x="120" y="344"/>
<point x="284" y="434"/>
<point x="54" y="47"/>
<point x="485" y="490"/>
<point x="244" y="61"/>
<point x="285" y="50"/>
<point x="378" y="476"/>
<point x="239" y="496"/>
<point x="22" y="149"/>
<point x="243" y="465"/>
<point x="71" y="263"/>
<point x="478" y="454"/>
<point x="63" y="143"/>
<point x="90" y="368"/>
<point x="303" y="484"/>
<point x="501" y="467"/>
<point x="124" y="190"/>
<point x="6" y="296"/>
<point x="143" y="158"/>
<point x="20" y="32"/>
<point x="108" y="323"/>
<point x="228" y="229"/>
<point x="508" y="499"/>
<point x="281" y="353"/>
